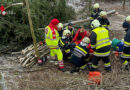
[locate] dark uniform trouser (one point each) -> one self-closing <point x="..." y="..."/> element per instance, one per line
<point x="95" y="61"/>
<point x="125" y="57"/>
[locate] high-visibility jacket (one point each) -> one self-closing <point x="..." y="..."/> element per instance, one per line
<point x="65" y="45"/>
<point x="100" y="41"/>
<point x="79" y="55"/>
<point x="126" y="51"/>
<point x="51" y="39"/>
<point x="60" y="33"/>
<point x="104" y="22"/>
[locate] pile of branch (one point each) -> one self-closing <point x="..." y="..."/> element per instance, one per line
<point x="28" y="58"/>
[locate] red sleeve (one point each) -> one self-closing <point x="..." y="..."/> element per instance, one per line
<point x="76" y="35"/>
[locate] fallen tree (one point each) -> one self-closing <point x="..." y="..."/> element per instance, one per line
<point x="85" y="20"/>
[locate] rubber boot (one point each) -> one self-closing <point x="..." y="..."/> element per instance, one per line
<point x="93" y="69"/>
<point x="108" y="69"/>
<point x="61" y="66"/>
<point x="62" y="69"/>
<point x="74" y="69"/>
<point x="44" y="59"/>
<point x="127" y="67"/>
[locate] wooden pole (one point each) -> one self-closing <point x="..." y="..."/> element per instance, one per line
<point x="123" y="5"/>
<point x="32" y="30"/>
<point x="90" y="6"/>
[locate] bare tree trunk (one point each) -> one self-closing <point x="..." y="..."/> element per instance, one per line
<point x="90" y="6"/>
<point x="123" y="5"/>
<point x="31" y="28"/>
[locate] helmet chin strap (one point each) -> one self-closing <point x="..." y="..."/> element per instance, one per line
<point x="83" y="44"/>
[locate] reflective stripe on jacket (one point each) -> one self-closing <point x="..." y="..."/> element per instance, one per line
<point x="100" y="41"/>
<point x="50" y="41"/>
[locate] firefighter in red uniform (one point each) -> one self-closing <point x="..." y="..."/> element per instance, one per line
<point x="80" y="34"/>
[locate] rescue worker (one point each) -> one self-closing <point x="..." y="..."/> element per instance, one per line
<point x="70" y="27"/>
<point x="103" y="19"/>
<point x="60" y="29"/>
<point x="101" y="45"/>
<point x="125" y="57"/>
<point x="80" y="54"/>
<point x="65" y="44"/>
<point x="80" y="34"/>
<point x="52" y="40"/>
<point x="95" y="13"/>
<point x="126" y="23"/>
<point x="117" y="45"/>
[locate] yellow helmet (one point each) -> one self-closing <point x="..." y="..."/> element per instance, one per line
<point x="103" y="13"/>
<point x="66" y="32"/>
<point x="86" y="40"/>
<point x="95" y="23"/>
<point x="96" y="5"/>
<point x="128" y="18"/>
<point x="60" y="25"/>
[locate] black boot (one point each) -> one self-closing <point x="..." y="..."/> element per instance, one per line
<point x="127" y="67"/>
<point x="93" y="69"/>
<point x="62" y="69"/>
<point x="44" y="59"/>
<point x="108" y="69"/>
<point x="74" y="69"/>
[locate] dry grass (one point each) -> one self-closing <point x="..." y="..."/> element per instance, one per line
<point x="53" y="79"/>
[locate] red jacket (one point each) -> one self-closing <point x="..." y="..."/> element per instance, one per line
<point x="79" y="36"/>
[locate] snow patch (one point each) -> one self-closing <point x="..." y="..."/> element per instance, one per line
<point x="76" y="4"/>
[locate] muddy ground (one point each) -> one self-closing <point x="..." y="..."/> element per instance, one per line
<point x="50" y="78"/>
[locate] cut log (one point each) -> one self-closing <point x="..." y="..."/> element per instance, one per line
<point x="30" y="64"/>
<point x="29" y="58"/>
<point x="15" y="53"/>
<point x="24" y="64"/>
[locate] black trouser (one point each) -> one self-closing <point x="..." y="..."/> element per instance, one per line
<point x="125" y="57"/>
<point x="95" y="61"/>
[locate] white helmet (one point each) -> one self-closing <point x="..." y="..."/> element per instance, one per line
<point x="128" y="18"/>
<point x="86" y="40"/>
<point x="60" y="25"/>
<point x="96" y="5"/>
<point x="95" y="23"/>
<point x="66" y="32"/>
<point x="103" y="13"/>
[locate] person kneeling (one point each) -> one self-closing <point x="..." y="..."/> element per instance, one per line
<point x="79" y="55"/>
